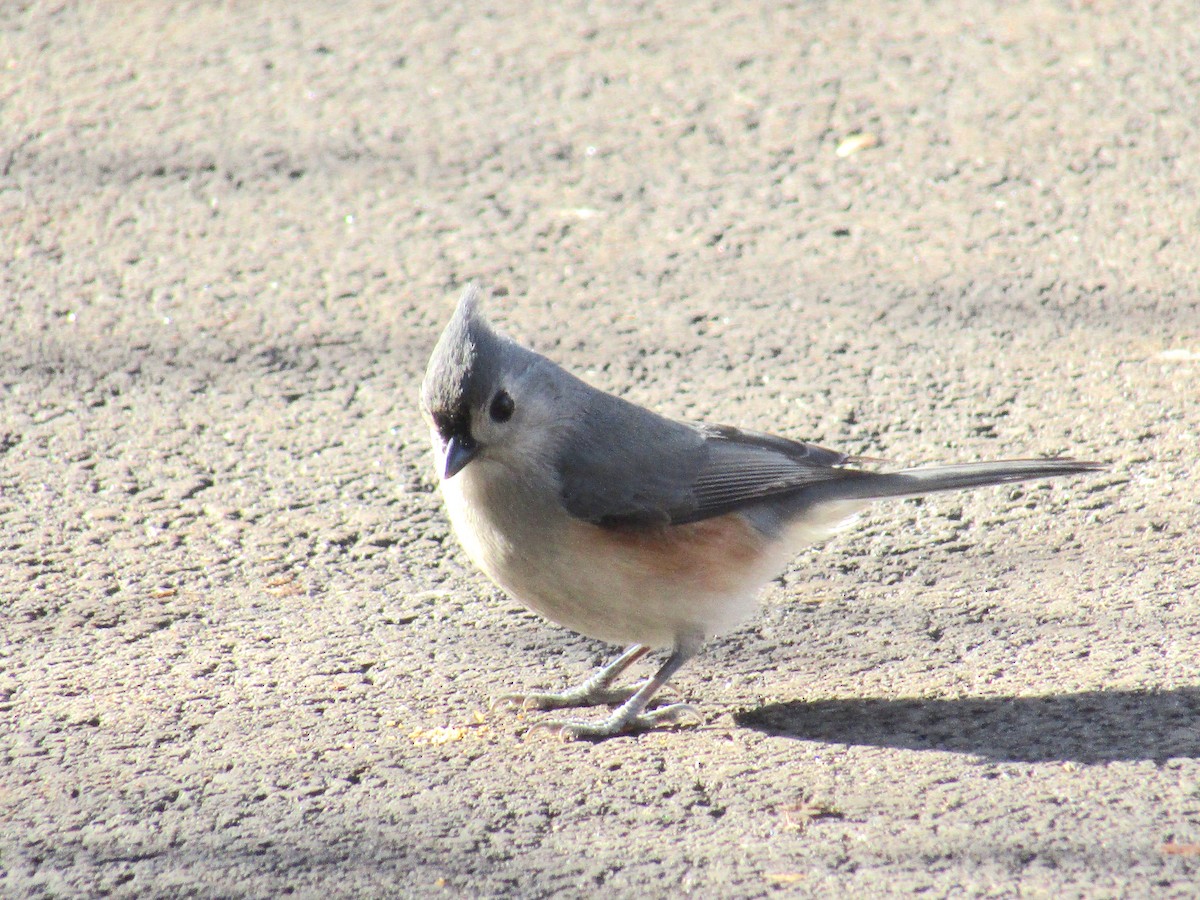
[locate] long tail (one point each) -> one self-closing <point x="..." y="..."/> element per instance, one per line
<point x="914" y="482"/>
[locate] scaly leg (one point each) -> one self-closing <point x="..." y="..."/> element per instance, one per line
<point x="596" y="691"/>
<point x="631" y="717"/>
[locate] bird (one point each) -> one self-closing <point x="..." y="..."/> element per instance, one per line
<point x="630" y="527"/>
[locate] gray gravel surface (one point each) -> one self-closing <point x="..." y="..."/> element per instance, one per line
<point x="240" y="653"/>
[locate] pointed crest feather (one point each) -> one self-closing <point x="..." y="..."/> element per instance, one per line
<point x="464" y="358"/>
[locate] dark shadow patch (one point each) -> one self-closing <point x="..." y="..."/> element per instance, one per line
<point x="1089" y="727"/>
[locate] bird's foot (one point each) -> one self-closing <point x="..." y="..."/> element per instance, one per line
<point x="576" y="698"/>
<point x="622" y="722"/>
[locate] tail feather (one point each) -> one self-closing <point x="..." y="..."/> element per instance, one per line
<point x="915" y="482"/>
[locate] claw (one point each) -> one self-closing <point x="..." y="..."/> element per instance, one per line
<point x="566" y="700"/>
<point x="507" y="702"/>
<point x="630" y="717"/>
<point x="618" y="724"/>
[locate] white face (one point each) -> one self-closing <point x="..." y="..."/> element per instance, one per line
<point x="519" y="423"/>
<point x="516" y="425"/>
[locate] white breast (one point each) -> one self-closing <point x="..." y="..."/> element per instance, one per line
<point x="700" y="579"/>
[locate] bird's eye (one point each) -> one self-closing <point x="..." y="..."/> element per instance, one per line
<point x="501" y="409"/>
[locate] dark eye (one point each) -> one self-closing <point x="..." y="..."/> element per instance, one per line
<point x="501" y="409"/>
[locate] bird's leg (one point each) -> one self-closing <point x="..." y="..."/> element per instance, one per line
<point x="631" y="717"/>
<point x="596" y="691"/>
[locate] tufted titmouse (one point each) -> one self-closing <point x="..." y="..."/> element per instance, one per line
<point x="627" y="526"/>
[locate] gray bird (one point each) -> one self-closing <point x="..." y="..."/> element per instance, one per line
<point x="627" y="526"/>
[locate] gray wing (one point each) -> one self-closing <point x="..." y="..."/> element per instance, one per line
<point x="627" y="466"/>
<point x="744" y="468"/>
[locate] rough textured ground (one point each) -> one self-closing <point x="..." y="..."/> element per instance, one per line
<point x="239" y="651"/>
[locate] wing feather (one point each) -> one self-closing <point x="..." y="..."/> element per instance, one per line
<point x="651" y="471"/>
<point x="744" y="468"/>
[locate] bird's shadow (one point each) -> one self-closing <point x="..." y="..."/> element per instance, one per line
<point x="1090" y="727"/>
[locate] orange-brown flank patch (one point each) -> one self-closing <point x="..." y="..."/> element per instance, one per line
<point x="714" y="554"/>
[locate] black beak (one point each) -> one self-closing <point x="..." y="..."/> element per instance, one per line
<point x="459" y="452"/>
